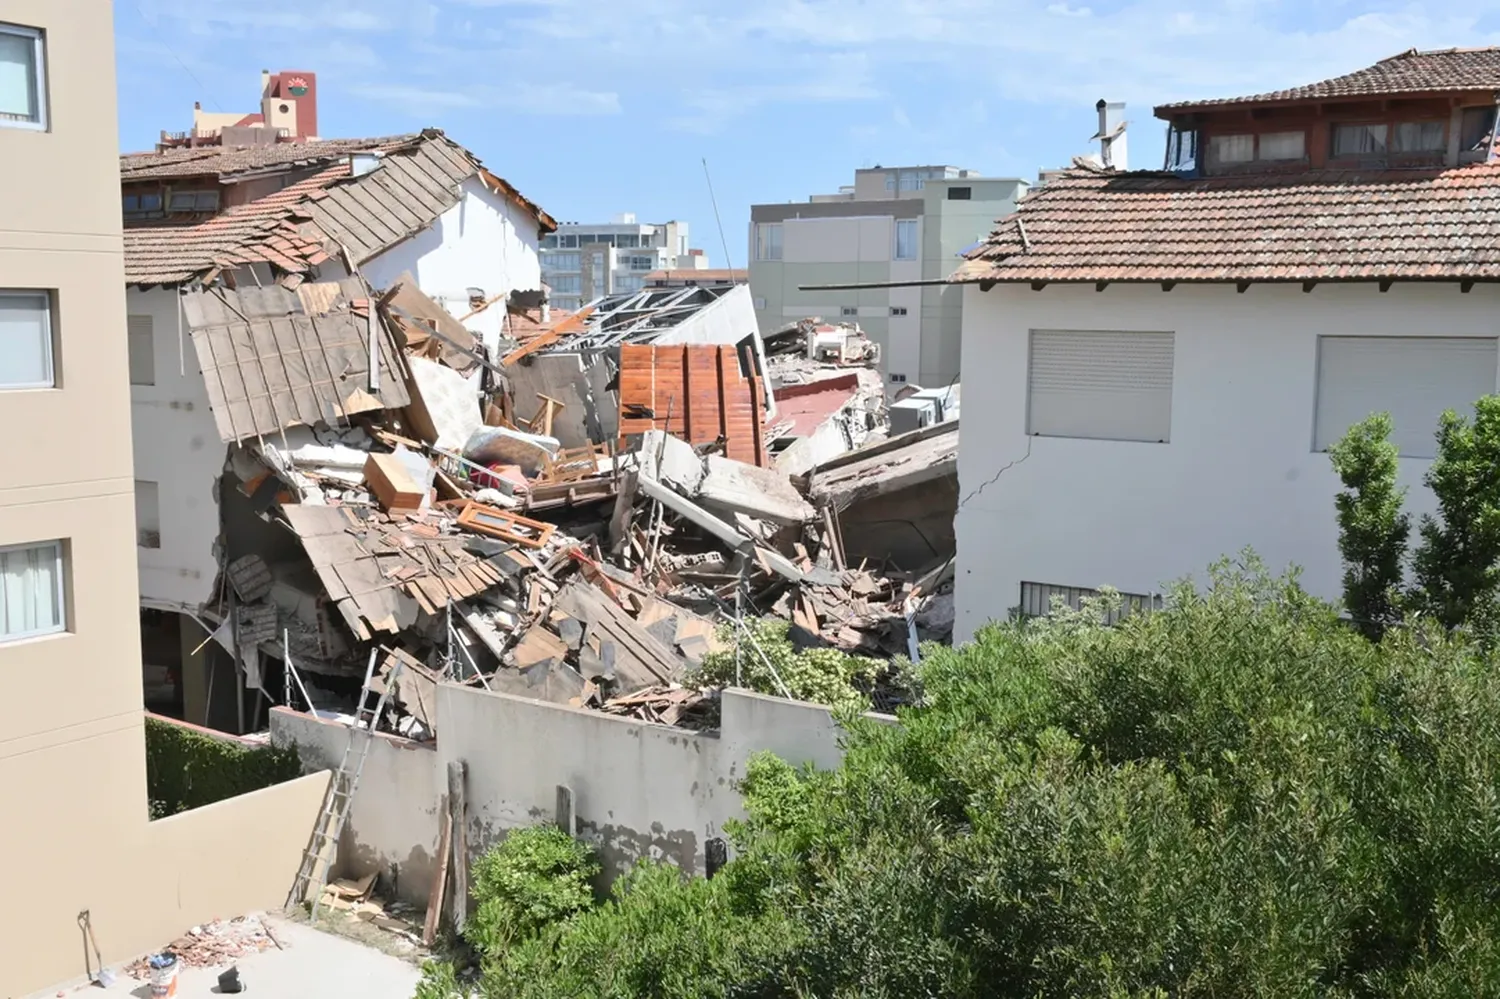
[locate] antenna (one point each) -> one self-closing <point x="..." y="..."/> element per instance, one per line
<point x="728" y="262"/>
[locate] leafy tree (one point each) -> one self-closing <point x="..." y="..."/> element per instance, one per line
<point x="769" y="663"/>
<point x="1457" y="563"/>
<point x="1237" y="796"/>
<point x="1373" y="531"/>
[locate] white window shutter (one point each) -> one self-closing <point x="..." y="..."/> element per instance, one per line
<point x="1412" y="378"/>
<point x="1101" y="384"/>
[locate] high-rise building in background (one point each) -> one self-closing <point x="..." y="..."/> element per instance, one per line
<point x="893" y="224"/>
<point x="583" y="261"/>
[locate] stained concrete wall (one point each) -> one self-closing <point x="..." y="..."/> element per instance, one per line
<point x="393" y="830"/>
<point x="639" y="790"/>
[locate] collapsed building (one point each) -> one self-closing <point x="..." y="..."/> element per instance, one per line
<point x="365" y="441"/>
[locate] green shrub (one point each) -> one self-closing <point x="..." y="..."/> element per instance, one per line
<point x="1373" y="531"/>
<point x="1237" y="796"/>
<point x="534" y="878"/>
<point x="188" y="769"/>
<point x="1458" y="559"/>
<point x="821" y="676"/>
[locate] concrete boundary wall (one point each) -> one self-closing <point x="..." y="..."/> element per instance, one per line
<point x="639" y="790"/>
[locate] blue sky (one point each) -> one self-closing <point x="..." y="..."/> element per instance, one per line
<point x="593" y="107"/>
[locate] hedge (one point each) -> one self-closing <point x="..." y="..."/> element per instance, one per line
<point x="187" y="769"/>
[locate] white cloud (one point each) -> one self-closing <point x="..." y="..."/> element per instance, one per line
<point x="699" y="66"/>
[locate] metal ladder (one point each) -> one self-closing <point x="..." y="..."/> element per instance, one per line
<point x="317" y="859"/>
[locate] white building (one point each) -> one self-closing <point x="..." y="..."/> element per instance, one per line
<point x="417" y="204"/>
<point x="583" y="261"/>
<point x="1167" y="358"/>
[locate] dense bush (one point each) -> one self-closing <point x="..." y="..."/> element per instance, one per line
<point x="1373" y="530"/>
<point x="534" y="878"/>
<point x="189" y="769"/>
<point x="1237" y="796"/>
<point x="771" y="665"/>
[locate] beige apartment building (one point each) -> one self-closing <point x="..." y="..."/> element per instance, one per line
<point x="74" y="822"/>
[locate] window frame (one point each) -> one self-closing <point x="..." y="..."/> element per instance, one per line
<point x="49" y="338"/>
<point x="38" y="38"/>
<point x="140" y="326"/>
<point x="913" y="250"/>
<point x="1385" y="142"/>
<point x="60" y="578"/>
<point x="763" y="241"/>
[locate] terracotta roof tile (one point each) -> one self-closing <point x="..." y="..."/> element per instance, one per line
<point x="1411" y="72"/>
<point x="228" y="161"/>
<point x="1095" y="225"/>
<point x="289" y="227"/>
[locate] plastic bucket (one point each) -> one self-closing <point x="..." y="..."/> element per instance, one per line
<point x="163" y="974"/>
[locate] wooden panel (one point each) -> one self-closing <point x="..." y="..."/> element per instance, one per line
<point x="696" y="392"/>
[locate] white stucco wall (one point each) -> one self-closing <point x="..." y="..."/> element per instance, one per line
<point x="177" y="446"/>
<point x="1239" y="469"/>
<point x="485" y="241"/>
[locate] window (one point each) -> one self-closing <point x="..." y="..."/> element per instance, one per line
<point x="31" y="590"/>
<point x="1182" y="149"/>
<point x="562" y="261"/>
<point x="960" y="193"/>
<point x="1231" y="148"/>
<point x="1037" y="600"/>
<point x="848" y="310"/>
<point x="906" y="239"/>
<point x="1282" y="146"/>
<point x="1474" y="132"/>
<point x="193" y="201"/>
<point x="1419" y="137"/>
<point x="141" y="339"/>
<point x="568" y="242"/>
<point x="26" y="340"/>
<point x="910" y="182"/>
<point x="1359" y="140"/>
<point x="628" y="242"/>
<point x="642" y="263"/>
<point x="598" y="262"/>
<point x="23" y="78"/>
<point x="1101" y="385"/>
<point x="897" y="378"/>
<point x="1412" y="378"/>
<point x="768" y="241"/>
<point x="147" y="515"/>
<point x="565" y="283"/>
<point x="898" y="310"/>
<point x="549" y="242"/>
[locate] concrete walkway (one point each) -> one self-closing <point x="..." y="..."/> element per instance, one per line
<point x="314" y="963"/>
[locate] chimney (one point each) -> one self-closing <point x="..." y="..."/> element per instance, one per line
<point x="1111" y="135"/>
<point x="265" y="83"/>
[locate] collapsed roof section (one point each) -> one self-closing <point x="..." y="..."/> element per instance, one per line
<point x="274" y="358"/>
<point x="665" y="316"/>
<point x="358" y="196"/>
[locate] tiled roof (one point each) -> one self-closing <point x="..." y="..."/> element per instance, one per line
<point x="226" y="162"/>
<point x="1411" y="72"/>
<point x="419" y="179"/>
<point x="270" y="230"/>
<point x="1095" y="225"/>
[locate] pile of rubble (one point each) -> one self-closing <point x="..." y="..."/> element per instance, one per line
<point x="215" y="944"/>
<point x="555" y="557"/>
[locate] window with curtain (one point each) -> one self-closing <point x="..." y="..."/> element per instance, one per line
<point x="26" y="340"/>
<point x="31" y="590"/>
<point x="1474" y="132"/>
<point x="1283" y="146"/>
<point x="906" y="239"/>
<point x="1231" y="148"/>
<point x="1359" y="140"/>
<point x="22" y="72"/>
<point x="1419" y="137"/>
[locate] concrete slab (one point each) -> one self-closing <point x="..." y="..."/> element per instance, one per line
<point x="314" y="963"/>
